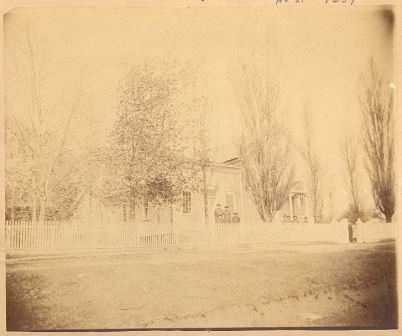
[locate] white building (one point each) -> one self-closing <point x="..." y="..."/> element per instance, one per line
<point x="225" y="188"/>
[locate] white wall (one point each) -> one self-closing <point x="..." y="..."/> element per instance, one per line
<point x="375" y="231"/>
<point x="297" y="232"/>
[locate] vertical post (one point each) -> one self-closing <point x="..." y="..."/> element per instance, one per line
<point x="297" y="205"/>
<point x="30" y="234"/>
<point x="241" y="200"/>
<point x="171" y="217"/>
<point x="205" y="194"/>
<point x="12" y="215"/>
<point x="26" y="234"/>
<point x="34" y="211"/>
<point x="291" y="206"/>
<point x="132" y="205"/>
<point x="7" y="235"/>
<point x="17" y="236"/>
<point x="124" y="212"/>
<point x="15" y="241"/>
<point x="22" y="234"/>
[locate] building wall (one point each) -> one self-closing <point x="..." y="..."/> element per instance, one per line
<point x="225" y="186"/>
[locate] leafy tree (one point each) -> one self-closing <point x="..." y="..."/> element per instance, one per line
<point x="148" y="145"/>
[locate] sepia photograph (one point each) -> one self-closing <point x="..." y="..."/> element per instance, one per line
<point x="200" y="167"/>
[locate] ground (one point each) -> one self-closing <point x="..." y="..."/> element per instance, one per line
<point x="288" y="285"/>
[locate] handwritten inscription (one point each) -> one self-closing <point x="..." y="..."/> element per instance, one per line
<point x="340" y="1"/>
<point x="327" y="2"/>
<point x="288" y="1"/>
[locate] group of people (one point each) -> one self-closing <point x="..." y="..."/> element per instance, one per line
<point x="300" y="219"/>
<point x="225" y="215"/>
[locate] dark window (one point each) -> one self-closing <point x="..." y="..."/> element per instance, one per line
<point x="186" y="202"/>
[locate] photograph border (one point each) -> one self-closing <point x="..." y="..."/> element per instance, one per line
<point x="9" y="5"/>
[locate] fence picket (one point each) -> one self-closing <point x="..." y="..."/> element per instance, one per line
<point x="15" y="236"/>
<point x="8" y="236"/>
<point x="19" y="232"/>
<point x="24" y="234"/>
<point x="28" y="233"/>
<point x="29" y="229"/>
<point x="20" y="243"/>
<point x="70" y="235"/>
<point x="38" y="235"/>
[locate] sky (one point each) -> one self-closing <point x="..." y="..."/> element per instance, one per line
<point x="315" y="58"/>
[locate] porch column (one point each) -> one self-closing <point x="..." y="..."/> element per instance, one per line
<point x="303" y="205"/>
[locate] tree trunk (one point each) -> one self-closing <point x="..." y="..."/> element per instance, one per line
<point x="34" y="212"/>
<point x="171" y="217"/>
<point x="132" y="205"/>
<point x="269" y="218"/>
<point x="205" y="194"/>
<point x="12" y="207"/>
<point x="12" y="213"/>
<point x="146" y="207"/>
<point x="388" y="218"/>
<point x="43" y="204"/>
<point x="158" y="214"/>
<point x="315" y="206"/>
<point x="42" y="211"/>
<point x="124" y="213"/>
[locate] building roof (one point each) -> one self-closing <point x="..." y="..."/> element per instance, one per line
<point x="224" y="165"/>
<point x="298" y="187"/>
<point x="235" y="161"/>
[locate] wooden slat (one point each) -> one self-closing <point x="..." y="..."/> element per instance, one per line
<point x="48" y="235"/>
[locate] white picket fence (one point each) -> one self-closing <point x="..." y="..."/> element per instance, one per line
<point x="70" y="235"/>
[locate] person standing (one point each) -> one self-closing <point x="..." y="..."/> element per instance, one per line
<point x="227" y="216"/>
<point x="352" y="228"/>
<point x="218" y="213"/>
<point x="235" y="218"/>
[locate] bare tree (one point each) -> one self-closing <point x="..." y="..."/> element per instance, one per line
<point x="265" y="149"/>
<point x="349" y="152"/>
<point x="376" y="103"/>
<point x="202" y="150"/>
<point x="312" y="161"/>
<point x="41" y="149"/>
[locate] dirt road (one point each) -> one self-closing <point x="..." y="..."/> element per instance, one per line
<point x="287" y="286"/>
